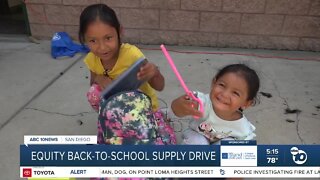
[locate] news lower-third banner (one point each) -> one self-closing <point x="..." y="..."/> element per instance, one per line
<point x="172" y="155"/>
<point x="115" y="155"/>
<point x="44" y="157"/>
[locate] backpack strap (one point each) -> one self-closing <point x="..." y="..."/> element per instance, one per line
<point x="102" y="120"/>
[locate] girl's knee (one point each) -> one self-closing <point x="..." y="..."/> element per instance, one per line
<point x="93" y="96"/>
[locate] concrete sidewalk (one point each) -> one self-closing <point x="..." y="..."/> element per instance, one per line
<point x="41" y="96"/>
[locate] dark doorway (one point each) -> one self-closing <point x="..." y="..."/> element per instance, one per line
<point x="13" y="17"/>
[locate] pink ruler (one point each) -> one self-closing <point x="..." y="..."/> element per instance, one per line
<point x="176" y="72"/>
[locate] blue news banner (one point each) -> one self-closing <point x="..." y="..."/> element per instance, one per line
<point x="177" y="155"/>
<point x="115" y="155"/>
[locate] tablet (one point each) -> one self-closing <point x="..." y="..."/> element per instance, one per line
<point x="127" y="81"/>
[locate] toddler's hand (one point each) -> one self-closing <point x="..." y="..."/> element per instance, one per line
<point x="147" y="71"/>
<point x="185" y="106"/>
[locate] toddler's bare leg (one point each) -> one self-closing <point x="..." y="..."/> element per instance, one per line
<point x="192" y="137"/>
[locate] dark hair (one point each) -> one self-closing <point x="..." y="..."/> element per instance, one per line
<point x="247" y="73"/>
<point x="101" y="11"/>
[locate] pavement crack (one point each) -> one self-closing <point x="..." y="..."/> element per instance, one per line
<point x="38" y="93"/>
<point x="297" y="128"/>
<point x="260" y="110"/>
<point x="62" y="114"/>
<point x="286" y="103"/>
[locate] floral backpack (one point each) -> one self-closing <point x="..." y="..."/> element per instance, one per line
<point x="127" y="118"/>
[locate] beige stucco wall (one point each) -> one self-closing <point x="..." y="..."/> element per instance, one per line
<point x="267" y="24"/>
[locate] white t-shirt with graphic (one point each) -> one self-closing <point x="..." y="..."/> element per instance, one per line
<point x="213" y="127"/>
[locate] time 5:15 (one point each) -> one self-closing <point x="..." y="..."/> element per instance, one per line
<point x="272" y="151"/>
